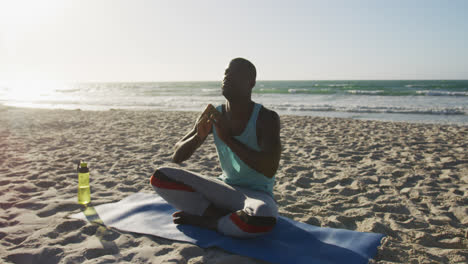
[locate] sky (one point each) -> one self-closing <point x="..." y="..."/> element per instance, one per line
<point x="139" y="40"/>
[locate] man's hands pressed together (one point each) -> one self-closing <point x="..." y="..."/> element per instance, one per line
<point x="212" y="116"/>
<point x="204" y="122"/>
<point x="190" y="142"/>
<point x="265" y="161"/>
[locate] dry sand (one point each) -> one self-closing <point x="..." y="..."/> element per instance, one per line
<point x="408" y="181"/>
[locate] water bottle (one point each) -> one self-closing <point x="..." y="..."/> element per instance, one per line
<point x="84" y="194"/>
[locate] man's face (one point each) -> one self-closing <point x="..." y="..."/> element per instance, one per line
<point x="236" y="83"/>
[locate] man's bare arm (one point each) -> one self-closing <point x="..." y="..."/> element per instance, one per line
<point x="265" y="161"/>
<point x="187" y="146"/>
<point x="193" y="140"/>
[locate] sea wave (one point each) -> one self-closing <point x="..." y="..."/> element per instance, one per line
<point x="68" y="90"/>
<point x="370" y="109"/>
<point x="210" y="90"/>
<point x="298" y="90"/>
<point x="441" y="93"/>
<point x="415" y="85"/>
<point x="339" y="85"/>
<point x="367" y="92"/>
<point x="370" y="92"/>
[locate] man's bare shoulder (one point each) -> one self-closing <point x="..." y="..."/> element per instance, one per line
<point x="268" y="118"/>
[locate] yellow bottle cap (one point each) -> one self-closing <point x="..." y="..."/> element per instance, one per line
<point x="83" y="164"/>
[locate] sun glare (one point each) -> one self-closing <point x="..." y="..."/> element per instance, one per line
<point x="24" y="92"/>
<point x="28" y="13"/>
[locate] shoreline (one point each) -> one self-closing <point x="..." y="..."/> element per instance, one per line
<point x="406" y="180"/>
<point x="318" y="115"/>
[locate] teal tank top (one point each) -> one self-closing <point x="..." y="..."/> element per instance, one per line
<point x="235" y="171"/>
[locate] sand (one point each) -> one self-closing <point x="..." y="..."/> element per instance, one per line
<point x="408" y="181"/>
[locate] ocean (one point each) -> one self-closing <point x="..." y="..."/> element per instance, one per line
<point x="421" y="101"/>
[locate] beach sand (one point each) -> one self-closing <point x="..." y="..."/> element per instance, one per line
<point x="408" y="181"/>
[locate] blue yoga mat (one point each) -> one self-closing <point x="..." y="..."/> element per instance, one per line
<point x="289" y="242"/>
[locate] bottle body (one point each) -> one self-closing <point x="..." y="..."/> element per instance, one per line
<point x="84" y="192"/>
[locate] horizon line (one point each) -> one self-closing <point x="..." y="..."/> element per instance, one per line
<point x="265" y="80"/>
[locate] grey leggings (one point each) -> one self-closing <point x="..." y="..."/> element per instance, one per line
<point x="253" y="213"/>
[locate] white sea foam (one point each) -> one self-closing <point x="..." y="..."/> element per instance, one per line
<point x="297" y="90"/>
<point x="365" y="92"/>
<point x="339" y="85"/>
<point x="213" y="90"/>
<point x="415" y="85"/>
<point x="370" y="109"/>
<point x="442" y="93"/>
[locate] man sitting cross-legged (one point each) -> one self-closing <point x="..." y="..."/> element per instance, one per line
<point x="240" y="202"/>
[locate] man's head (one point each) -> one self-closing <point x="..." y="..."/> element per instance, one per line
<point x="239" y="79"/>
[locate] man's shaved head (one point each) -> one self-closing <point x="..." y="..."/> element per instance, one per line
<point x="247" y="67"/>
<point x="239" y="79"/>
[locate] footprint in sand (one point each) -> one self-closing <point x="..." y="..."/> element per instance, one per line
<point x="109" y="184"/>
<point x="73" y="238"/>
<point x="303" y="182"/>
<point x="57" y="207"/>
<point x="391" y="208"/>
<point x="96" y="252"/>
<point x="26" y="188"/>
<point x="45" y="184"/>
<point x="346" y="191"/>
<point x="89" y="229"/>
<point x="127" y="189"/>
<point x="2" y="235"/>
<point x="42" y="255"/>
<point x="5" y="182"/>
<point x="30" y="205"/>
<point x="104" y="194"/>
<point x="15" y="240"/>
<point x="70" y="225"/>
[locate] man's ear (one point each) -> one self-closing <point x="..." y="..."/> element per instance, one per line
<point x="252" y="84"/>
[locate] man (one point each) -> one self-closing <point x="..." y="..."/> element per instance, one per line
<point x="247" y="136"/>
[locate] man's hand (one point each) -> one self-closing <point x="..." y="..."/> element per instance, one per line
<point x="204" y="122"/>
<point x="203" y="126"/>
<point x="190" y="142"/>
